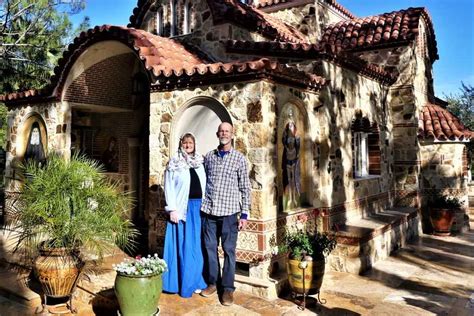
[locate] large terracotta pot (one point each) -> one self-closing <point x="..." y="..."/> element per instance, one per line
<point x="442" y="220"/>
<point x="58" y="271"/>
<point x="138" y="295"/>
<point x="313" y="276"/>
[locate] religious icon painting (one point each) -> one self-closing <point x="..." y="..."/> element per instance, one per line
<point x="110" y="156"/>
<point x="292" y="159"/>
<point x="34" y="141"/>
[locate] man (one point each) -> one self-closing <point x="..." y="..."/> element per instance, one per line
<point x="227" y="195"/>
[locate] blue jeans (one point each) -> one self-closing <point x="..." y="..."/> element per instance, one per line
<point x="225" y="228"/>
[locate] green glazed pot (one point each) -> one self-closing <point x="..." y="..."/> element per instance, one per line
<point x="138" y="295"/>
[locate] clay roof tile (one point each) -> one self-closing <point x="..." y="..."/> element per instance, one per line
<point x="437" y="123"/>
<point x="379" y="30"/>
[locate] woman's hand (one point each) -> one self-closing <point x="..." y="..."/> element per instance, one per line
<point x="174" y="217"/>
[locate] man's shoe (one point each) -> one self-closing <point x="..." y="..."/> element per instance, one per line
<point x="209" y="290"/>
<point x="228" y="298"/>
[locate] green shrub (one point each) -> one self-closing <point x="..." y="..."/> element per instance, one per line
<point x="299" y="243"/>
<point x="71" y="204"/>
<point x="444" y="201"/>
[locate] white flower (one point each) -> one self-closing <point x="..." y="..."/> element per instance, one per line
<point x="87" y="184"/>
<point x="275" y="250"/>
<point x="142" y="266"/>
<point x="92" y="204"/>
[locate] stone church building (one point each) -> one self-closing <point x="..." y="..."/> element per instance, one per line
<point x="335" y="113"/>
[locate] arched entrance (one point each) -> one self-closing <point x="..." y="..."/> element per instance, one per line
<point x="107" y="93"/>
<point x="200" y="116"/>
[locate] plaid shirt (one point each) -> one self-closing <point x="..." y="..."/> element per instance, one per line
<point x="228" y="184"/>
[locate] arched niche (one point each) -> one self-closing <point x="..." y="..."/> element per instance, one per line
<point x="25" y="130"/>
<point x="200" y="116"/>
<point x="294" y="150"/>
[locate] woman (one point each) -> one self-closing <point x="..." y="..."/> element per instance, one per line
<point x="185" y="181"/>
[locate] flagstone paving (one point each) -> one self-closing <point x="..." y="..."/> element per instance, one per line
<point x="434" y="276"/>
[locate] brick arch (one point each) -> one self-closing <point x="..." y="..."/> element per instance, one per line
<point x="108" y="83"/>
<point x="156" y="54"/>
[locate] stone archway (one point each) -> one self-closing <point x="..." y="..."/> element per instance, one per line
<point x="200" y="116"/>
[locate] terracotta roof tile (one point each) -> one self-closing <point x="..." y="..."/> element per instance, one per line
<point x="156" y="53"/>
<point x="165" y="58"/>
<point x="235" y="12"/>
<point x="333" y="3"/>
<point x="310" y="51"/>
<point x="379" y="30"/>
<point x="24" y="94"/>
<point x="248" y="70"/>
<point x="437" y="123"/>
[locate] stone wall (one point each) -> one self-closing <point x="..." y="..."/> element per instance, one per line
<point x="251" y="107"/>
<point x="310" y="19"/>
<point x="256" y="109"/>
<point x="55" y="137"/>
<point x="406" y="99"/>
<point x="406" y="166"/>
<point x="341" y="194"/>
<point x="442" y="166"/>
<point x="204" y="34"/>
<point x="442" y="172"/>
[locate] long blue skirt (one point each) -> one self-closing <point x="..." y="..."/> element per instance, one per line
<point x="183" y="253"/>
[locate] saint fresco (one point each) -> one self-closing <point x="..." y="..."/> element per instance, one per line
<point x="110" y="156"/>
<point x="290" y="163"/>
<point x="34" y="147"/>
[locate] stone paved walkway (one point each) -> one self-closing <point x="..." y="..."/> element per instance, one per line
<point x="434" y="276"/>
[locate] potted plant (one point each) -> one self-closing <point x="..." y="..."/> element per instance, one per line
<point x="442" y="209"/>
<point x="307" y="252"/>
<point x="138" y="285"/>
<point x="69" y="210"/>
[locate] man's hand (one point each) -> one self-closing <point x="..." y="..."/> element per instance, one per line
<point x="242" y="224"/>
<point x="174" y="217"/>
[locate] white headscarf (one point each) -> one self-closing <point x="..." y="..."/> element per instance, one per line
<point x="184" y="160"/>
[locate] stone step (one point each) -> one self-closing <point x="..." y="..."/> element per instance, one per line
<point x="268" y="288"/>
<point x="362" y="242"/>
<point x="15" y="285"/>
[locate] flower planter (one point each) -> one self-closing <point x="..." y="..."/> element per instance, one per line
<point x="313" y="276"/>
<point x="138" y="295"/>
<point x="442" y="220"/>
<point x="57" y="271"/>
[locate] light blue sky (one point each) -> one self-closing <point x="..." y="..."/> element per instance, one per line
<point x="453" y="22"/>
